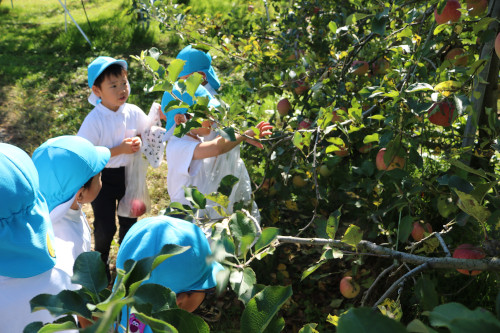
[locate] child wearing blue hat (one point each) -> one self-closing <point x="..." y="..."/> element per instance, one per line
<point x="27" y="247"/>
<point x="70" y="175"/>
<point x="191" y="274"/>
<point x="201" y="62"/>
<point x="189" y="157"/>
<point x="115" y="124"/>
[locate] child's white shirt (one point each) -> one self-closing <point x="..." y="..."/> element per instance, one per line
<point x="183" y="171"/>
<point x="72" y="233"/>
<point x="16" y="293"/>
<point x="104" y="127"/>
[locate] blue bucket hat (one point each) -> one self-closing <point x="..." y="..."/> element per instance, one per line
<point x="190" y="270"/>
<point x="26" y="235"/>
<point x="198" y="61"/>
<point x="99" y="64"/>
<point x="65" y="164"/>
<point x="186" y="98"/>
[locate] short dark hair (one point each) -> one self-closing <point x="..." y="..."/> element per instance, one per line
<point x="111" y="70"/>
<point x="88" y="183"/>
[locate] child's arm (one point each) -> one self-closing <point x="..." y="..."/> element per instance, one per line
<point x="219" y="145"/>
<point x="128" y="146"/>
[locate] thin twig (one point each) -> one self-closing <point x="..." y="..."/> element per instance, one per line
<point x="401" y="281"/>
<point x="379" y="277"/>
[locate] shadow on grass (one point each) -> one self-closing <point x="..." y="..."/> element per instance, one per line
<point x="43" y="73"/>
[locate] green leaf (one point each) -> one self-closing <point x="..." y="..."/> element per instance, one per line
<point x="183" y="321"/>
<point x="371" y="138"/>
<point x="379" y="24"/>
<point x="174" y="69"/>
<point x="405" y="228"/>
<point x="89" y="272"/>
<point x="482" y="24"/>
<point x="50" y="328"/>
<point x="154" y="53"/>
<point x="311" y="269"/>
<point x="353" y="235"/>
<point x="66" y="302"/>
<point x="332" y="26"/>
<point x="366" y="320"/>
<point x="267" y="236"/>
<point x="227" y="133"/>
<point x="151" y="298"/>
<point x="425" y="291"/>
<point x="309" y="328"/>
<point x="193" y="82"/>
<point x="261" y="309"/>
<point x="152" y="63"/>
<point x="242" y="280"/>
<point x="332" y="224"/>
<point x="416" y="326"/>
<point x="465" y="167"/>
<point x="226" y="184"/>
<point x="195" y="197"/>
<point x="240" y="226"/>
<point x="298" y="140"/>
<point x="459" y="319"/>
<point x="471" y="206"/>
<point x="276" y="325"/>
<point x="420" y="86"/>
<point x="219" y="199"/>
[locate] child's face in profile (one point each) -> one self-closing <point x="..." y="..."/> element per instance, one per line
<point x="113" y="91"/>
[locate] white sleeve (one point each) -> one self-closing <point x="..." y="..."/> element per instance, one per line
<point x="90" y="129"/>
<point x="141" y="119"/>
<point x="180" y="156"/>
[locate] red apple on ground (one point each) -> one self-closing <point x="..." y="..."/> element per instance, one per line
<point x="348" y="287"/>
<point x="397" y="161"/>
<point x="476" y="7"/>
<point x="418" y="230"/>
<point x="359" y="67"/>
<point x="283" y="107"/>
<point x="450" y="12"/>
<point x="497" y="45"/>
<point x="137" y="207"/>
<point x="444" y="115"/>
<point x="304" y="124"/>
<point x="456" y="57"/>
<point x="468" y="251"/>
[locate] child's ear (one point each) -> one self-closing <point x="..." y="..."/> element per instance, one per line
<point x="96" y="91"/>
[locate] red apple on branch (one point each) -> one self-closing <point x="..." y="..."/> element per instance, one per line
<point x="380" y="66"/>
<point x="304" y="124"/>
<point x="456" y="57"/>
<point x="450" y="12"/>
<point x="476" y="7"/>
<point x="442" y="113"/>
<point x="348" y="287"/>
<point x="359" y="67"/>
<point x="137" y="207"/>
<point x="497" y="45"/>
<point x="468" y="251"/>
<point x="418" y="230"/>
<point x="284" y="107"/>
<point x="397" y="161"/>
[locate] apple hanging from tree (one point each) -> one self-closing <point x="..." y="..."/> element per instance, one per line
<point x="497" y="45"/>
<point x="468" y="251"/>
<point x="348" y="287"/>
<point x="476" y="7"/>
<point x="450" y="12"/>
<point x="298" y="181"/>
<point x="304" y="124"/>
<point x="137" y="207"/>
<point x="365" y="148"/>
<point x="284" y="107"/>
<point x="380" y="66"/>
<point x="325" y="171"/>
<point x="359" y="67"/>
<point x="456" y="57"/>
<point x="418" y="230"/>
<point x="301" y="87"/>
<point x="442" y="113"/>
<point x="397" y="161"/>
<point x="343" y="151"/>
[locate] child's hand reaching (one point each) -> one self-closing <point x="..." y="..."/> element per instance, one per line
<point x="265" y="130"/>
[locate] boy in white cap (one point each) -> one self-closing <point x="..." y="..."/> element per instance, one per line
<point x="113" y="123"/>
<point x="70" y="175"/>
<point x="27" y="249"/>
<point x="190" y="274"/>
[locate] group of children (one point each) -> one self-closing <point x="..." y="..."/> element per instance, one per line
<point x="42" y="226"/>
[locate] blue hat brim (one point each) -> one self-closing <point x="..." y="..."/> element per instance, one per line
<point x="101" y="67"/>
